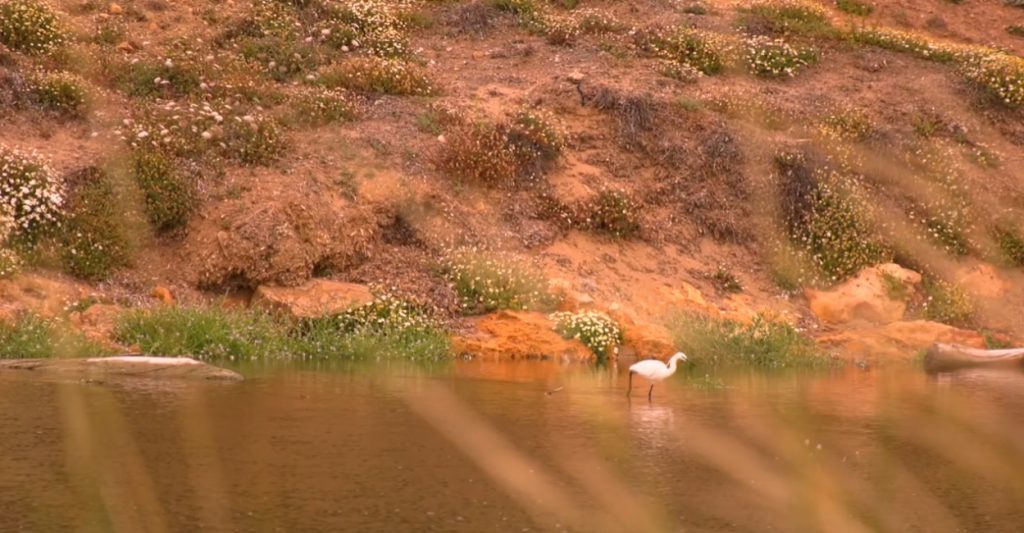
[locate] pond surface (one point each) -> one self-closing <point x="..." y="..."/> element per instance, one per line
<point x="477" y="446"/>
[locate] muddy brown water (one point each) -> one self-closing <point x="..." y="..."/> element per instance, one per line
<point x="475" y="446"/>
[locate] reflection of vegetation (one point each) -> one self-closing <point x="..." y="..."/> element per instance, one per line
<point x="762" y="342"/>
<point x="32" y="337"/>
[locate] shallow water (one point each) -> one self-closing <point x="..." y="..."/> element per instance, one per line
<point x="476" y="446"/>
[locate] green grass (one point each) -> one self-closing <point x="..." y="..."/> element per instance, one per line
<point x="790" y="16"/>
<point x="387" y="327"/>
<point x="32" y="337"/>
<point x="614" y="213"/>
<point x="1011" y="245"/>
<point x="947" y="303"/>
<point x="895" y="289"/>
<point x="380" y="76"/>
<point x="762" y="343"/>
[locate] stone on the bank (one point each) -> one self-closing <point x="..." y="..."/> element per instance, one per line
<point x="314" y="298"/>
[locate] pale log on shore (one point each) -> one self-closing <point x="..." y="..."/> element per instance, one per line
<point x="123" y="367"/>
<point x="944" y="357"/>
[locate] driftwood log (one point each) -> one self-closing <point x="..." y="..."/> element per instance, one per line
<point x="945" y="357"/>
<point x="100" y="368"/>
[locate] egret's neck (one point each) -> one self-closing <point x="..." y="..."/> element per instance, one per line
<point x="672" y="365"/>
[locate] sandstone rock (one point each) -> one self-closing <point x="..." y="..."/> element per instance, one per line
<point x="163" y="294"/>
<point x="317" y="297"/>
<point x="115" y="9"/>
<point x="125" y="46"/>
<point x="518" y="335"/>
<point x="898" y="340"/>
<point x="98" y="321"/>
<point x="865" y="298"/>
<point x="137" y="367"/>
<point x="647" y="340"/>
<point x="41" y="295"/>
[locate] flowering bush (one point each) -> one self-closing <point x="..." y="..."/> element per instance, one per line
<point x="946" y="302"/>
<point x="319" y="105"/>
<point x="763" y="342"/>
<point x="9" y="260"/>
<point x="707" y="52"/>
<point x="191" y="129"/>
<point x="855" y="7"/>
<point x="60" y="92"/>
<point x="93" y="240"/>
<point x="596" y="330"/>
<point x="376" y="26"/>
<point x="378" y="75"/>
<point x="31" y="193"/>
<point x="999" y="73"/>
<point x="537" y="131"/>
<point x="774" y="57"/>
<point x="903" y="41"/>
<point x="30" y="26"/>
<point x="1010" y="243"/>
<point x="166" y="77"/>
<point x="169" y="194"/>
<point x="486" y="282"/>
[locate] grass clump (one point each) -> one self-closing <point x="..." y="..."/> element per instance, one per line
<point x="30" y="26"/>
<point x="855" y="7"/>
<point x="378" y="27"/>
<point x="915" y="44"/>
<point x="724" y="280"/>
<point x="159" y="78"/>
<point x="825" y="220"/>
<point x="598" y="331"/>
<point x="389" y="326"/>
<point x="170" y="195"/>
<point x="614" y="213"/>
<point x="203" y="332"/>
<point x="847" y="124"/>
<point x="93" y="237"/>
<point x="789" y="16"/>
<point x="31" y="194"/>
<point x="946" y="303"/>
<point x="709" y="53"/>
<point x="61" y="93"/>
<point x="762" y="343"/>
<point x="895" y="288"/>
<point x="379" y="75"/>
<point x="487" y="282"/>
<point x="32" y="337"/>
<point x="515" y="150"/>
<point x="774" y="58"/>
<point x="998" y="73"/>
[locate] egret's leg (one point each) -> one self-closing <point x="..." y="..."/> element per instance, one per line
<point x="630" y="388"/>
<point x="650" y="391"/>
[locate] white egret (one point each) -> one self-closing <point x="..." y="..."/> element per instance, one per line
<point x="654" y="371"/>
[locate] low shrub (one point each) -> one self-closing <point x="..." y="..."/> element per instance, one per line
<point x="378" y="27"/>
<point x="790" y="16"/>
<point x="915" y="44"/>
<point x="32" y="337"/>
<point x="204" y="333"/>
<point x="487" y="282"/>
<point x="280" y="59"/>
<point x="763" y="342"/>
<point x="825" y="220"/>
<point x="93" y="237"/>
<point x="848" y="124"/>
<point x="859" y="8"/>
<point x="62" y="93"/>
<point x="503" y="153"/>
<point x="598" y="331"/>
<point x="377" y="75"/>
<point x="170" y="195"/>
<point x="1017" y="30"/>
<point x="773" y="58"/>
<point x="164" y="78"/>
<point x="10" y="262"/>
<point x="614" y="213"/>
<point x="31" y="193"/>
<point x="30" y="26"/>
<point x="1000" y="74"/>
<point x="724" y="280"/>
<point x="1010" y="243"/>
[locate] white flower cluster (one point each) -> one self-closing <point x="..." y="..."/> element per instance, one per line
<point x="9" y="260"/>
<point x="372" y="25"/>
<point x="321" y="105"/>
<point x="770" y="57"/>
<point x="706" y="51"/>
<point x="193" y="129"/>
<point x="387" y="314"/>
<point x="595" y="329"/>
<point x="30" y="192"/>
<point x="30" y="26"/>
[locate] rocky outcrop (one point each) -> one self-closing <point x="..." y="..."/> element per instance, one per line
<point x="878" y="295"/>
<point x="134" y="367"/>
<point x="518" y="335"/>
<point x="314" y="298"/>
<point x="902" y="340"/>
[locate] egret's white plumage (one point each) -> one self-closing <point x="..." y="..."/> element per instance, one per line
<point x="654" y="371"/>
